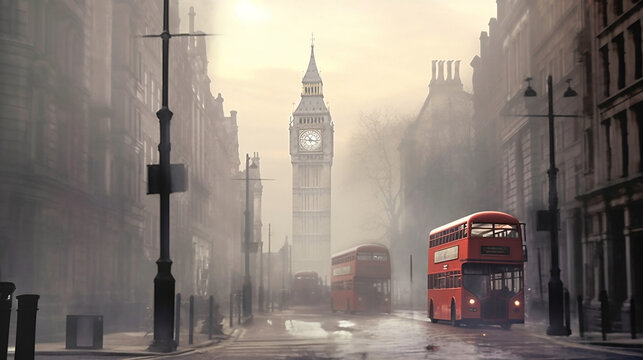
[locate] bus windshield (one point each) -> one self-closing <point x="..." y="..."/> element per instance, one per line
<point x="372" y="286"/>
<point x="483" y="280"/>
<point x="494" y="230"/>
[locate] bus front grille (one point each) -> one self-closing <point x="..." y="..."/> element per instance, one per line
<point x="494" y="308"/>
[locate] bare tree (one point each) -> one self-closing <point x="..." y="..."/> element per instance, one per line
<point x="377" y="161"/>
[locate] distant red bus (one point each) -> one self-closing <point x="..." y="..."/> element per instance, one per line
<point x="475" y="271"/>
<point x="361" y="279"/>
<point x="306" y="287"/>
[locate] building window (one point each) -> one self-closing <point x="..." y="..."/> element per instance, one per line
<point x="605" y="65"/>
<point x="638" y="113"/>
<point x="589" y="150"/>
<point x="603" y="12"/>
<point x="608" y="147"/>
<point x="635" y="35"/>
<point x="619" y="45"/>
<point x="13" y="19"/>
<point x="622" y="122"/>
<point x="618" y="7"/>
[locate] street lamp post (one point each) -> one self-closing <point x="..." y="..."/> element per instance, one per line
<point x="260" y="295"/>
<point x="163" y="179"/>
<point x="269" y="305"/>
<point x="556" y="326"/>
<point x="247" y="287"/>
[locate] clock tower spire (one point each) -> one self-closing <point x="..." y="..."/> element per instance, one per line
<point x="311" y="153"/>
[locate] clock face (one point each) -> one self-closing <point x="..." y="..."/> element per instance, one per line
<point x="310" y="140"/>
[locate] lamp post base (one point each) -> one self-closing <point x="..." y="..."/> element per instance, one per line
<point x="558" y="331"/>
<point x="163" y="309"/>
<point x="247" y="298"/>
<point x="556" y="311"/>
<point x="162" y="346"/>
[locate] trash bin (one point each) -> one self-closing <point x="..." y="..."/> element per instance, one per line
<point x="84" y="332"/>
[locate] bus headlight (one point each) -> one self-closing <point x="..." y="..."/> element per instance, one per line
<point x="517" y="302"/>
<point x="472" y="301"/>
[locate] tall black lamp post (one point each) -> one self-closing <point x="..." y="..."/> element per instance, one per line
<point x="165" y="178"/>
<point x="556" y="326"/>
<point x="247" y="286"/>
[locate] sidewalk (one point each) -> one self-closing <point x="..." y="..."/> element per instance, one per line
<point x="133" y="344"/>
<point x="539" y="328"/>
<point x="614" y="339"/>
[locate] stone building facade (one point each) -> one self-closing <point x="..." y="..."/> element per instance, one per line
<point x="596" y="44"/>
<point x="612" y="200"/>
<point x="81" y="90"/>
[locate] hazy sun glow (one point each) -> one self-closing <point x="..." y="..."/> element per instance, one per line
<point x="246" y="11"/>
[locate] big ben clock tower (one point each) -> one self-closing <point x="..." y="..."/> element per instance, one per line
<point x="311" y="153"/>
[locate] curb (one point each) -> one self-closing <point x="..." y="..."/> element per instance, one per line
<point x="614" y="344"/>
<point x="134" y="353"/>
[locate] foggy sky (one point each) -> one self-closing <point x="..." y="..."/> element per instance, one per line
<point x="372" y="55"/>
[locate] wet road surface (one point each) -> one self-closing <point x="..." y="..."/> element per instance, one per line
<point x="301" y="334"/>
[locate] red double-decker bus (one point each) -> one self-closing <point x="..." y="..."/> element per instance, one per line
<point x="475" y="271"/>
<point x="361" y="279"/>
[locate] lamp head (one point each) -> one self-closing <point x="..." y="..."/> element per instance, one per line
<point x="529" y="92"/>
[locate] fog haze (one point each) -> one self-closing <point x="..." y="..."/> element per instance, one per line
<point x="372" y="56"/>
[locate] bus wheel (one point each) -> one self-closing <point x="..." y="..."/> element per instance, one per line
<point x="431" y="316"/>
<point x="454" y="322"/>
<point x="506" y="325"/>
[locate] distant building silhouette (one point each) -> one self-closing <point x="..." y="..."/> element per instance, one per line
<point x="436" y="178"/>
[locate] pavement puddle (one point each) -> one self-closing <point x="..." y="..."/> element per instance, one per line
<point x="306" y="329"/>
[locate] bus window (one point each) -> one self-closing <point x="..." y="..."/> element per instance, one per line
<point x="506" y="278"/>
<point x="509" y="231"/>
<point x="481" y="230"/>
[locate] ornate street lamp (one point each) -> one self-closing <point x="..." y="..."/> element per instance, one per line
<point x="556" y="326"/>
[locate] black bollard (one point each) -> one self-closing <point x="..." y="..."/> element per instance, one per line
<point x="211" y="318"/>
<point x="177" y="323"/>
<point x="231" y="305"/>
<point x="239" y="300"/>
<point x="26" y="328"/>
<point x="633" y="318"/>
<point x="191" y="321"/>
<point x="604" y="313"/>
<point x="6" y="299"/>
<point x="581" y="316"/>
<point x="568" y="323"/>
